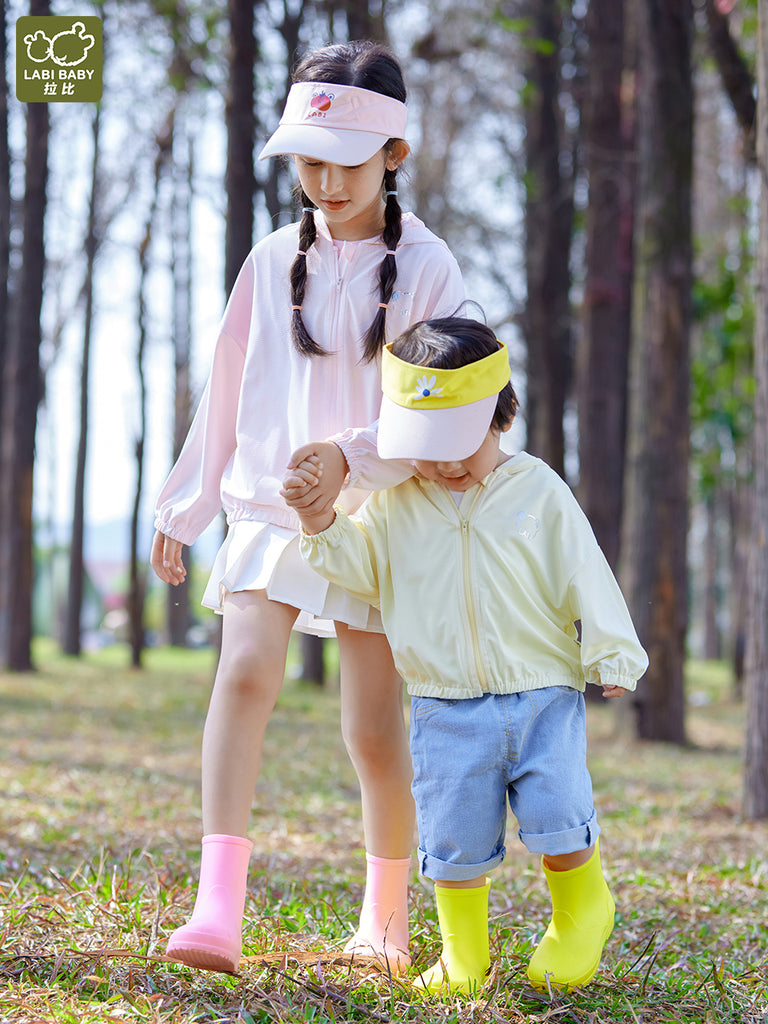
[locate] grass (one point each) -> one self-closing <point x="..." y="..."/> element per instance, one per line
<point x="99" y="810"/>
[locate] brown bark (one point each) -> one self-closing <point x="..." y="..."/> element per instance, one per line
<point x="22" y="396"/>
<point x="72" y="638"/>
<point x="178" y="617"/>
<point x="603" y="356"/>
<point x="711" y="603"/>
<point x="548" y="225"/>
<point x="5" y="201"/>
<point x="241" y="135"/>
<point x="656" y="500"/>
<point x="137" y="573"/>
<point x="756" y="768"/>
<point x="734" y="74"/>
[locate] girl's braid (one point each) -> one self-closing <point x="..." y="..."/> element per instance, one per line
<point x="302" y="339"/>
<point x="375" y="336"/>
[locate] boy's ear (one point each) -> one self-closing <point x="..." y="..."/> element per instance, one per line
<point x="507" y="426"/>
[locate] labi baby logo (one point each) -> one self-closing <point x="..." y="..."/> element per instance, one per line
<point x="320" y="104"/>
<point x="58" y="59"/>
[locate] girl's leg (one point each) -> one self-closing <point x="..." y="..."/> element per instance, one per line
<point x="248" y="679"/>
<point x="373" y="727"/>
<point x="254" y="646"/>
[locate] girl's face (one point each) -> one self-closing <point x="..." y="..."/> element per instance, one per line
<point x="350" y="197"/>
<point x="463" y="474"/>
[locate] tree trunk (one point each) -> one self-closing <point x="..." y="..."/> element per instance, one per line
<point x="548" y="225"/>
<point x="603" y="355"/>
<point x="271" y="185"/>
<point x="177" y="599"/>
<point x="5" y="203"/>
<point x="137" y="572"/>
<point x="734" y="74"/>
<point x="656" y="499"/>
<point x="241" y="137"/>
<point x="711" y="564"/>
<point x="362" y="22"/>
<point x="312" y="658"/>
<point x="22" y="396"/>
<point x="756" y="768"/>
<point x="72" y="637"/>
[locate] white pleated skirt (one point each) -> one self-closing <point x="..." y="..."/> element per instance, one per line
<point x="259" y="556"/>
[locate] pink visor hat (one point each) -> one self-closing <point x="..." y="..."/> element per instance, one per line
<point x="339" y="124"/>
<point x="438" y="415"/>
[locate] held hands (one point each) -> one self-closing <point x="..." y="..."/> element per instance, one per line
<point x="613" y="691"/>
<point x="315" y="475"/>
<point x="165" y="559"/>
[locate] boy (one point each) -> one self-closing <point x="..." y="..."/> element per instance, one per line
<point x="482" y="564"/>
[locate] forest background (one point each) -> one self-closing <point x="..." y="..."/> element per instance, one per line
<point x="599" y="169"/>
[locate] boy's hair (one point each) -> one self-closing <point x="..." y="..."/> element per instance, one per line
<point x="366" y="65"/>
<point x="450" y="342"/>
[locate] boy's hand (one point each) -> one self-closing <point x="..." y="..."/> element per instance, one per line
<point x="613" y="691"/>
<point x="320" y="496"/>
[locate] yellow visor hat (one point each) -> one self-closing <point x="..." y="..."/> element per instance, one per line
<point x="438" y="415"/>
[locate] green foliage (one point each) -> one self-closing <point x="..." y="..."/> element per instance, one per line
<point x="523" y="27"/>
<point x="723" y="384"/>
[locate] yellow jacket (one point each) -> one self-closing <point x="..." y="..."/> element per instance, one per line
<point x="484" y="598"/>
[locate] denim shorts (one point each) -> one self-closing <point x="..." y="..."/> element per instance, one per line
<point x="471" y="756"/>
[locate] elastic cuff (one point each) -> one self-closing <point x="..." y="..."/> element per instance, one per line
<point x="332" y="535"/>
<point x="343" y="443"/>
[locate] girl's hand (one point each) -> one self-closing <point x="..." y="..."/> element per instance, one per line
<point x="165" y="559"/>
<point x="321" y="496"/>
<point x="613" y="691"/>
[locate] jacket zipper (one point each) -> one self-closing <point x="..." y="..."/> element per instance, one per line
<point x="471" y="613"/>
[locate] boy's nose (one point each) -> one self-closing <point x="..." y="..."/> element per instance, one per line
<point x="450" y="468"/>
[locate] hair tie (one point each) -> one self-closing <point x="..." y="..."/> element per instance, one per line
<point x="295" y="309"/>
<point x="383" y="305"/>
<point x="307" y="209"/>
<point x="392" y="193"/>
<point x="301" y="253"/>
<point x="391" y="252"/>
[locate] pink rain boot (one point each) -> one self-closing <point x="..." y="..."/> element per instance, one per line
<point x="212" y="939"/>
<point x="383" y="928"/>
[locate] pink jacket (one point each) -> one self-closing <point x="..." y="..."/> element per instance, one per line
<point x="263" y="399"/>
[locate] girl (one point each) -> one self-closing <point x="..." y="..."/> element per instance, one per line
<point x="298" y="358"/>
<point x="497" y="679"/>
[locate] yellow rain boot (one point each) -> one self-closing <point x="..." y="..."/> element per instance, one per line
<point x="582" y="919"/>
<point x="465" y="959"/>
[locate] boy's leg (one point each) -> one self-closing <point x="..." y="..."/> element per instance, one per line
<point x="460" y="792"/>
<point x="462" y="914"/>
<point x="552" y="799"/>
<point x="373" y="727"/>
<point x="582" y="920"/>
<point x="248" y="680"/>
